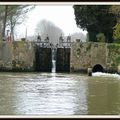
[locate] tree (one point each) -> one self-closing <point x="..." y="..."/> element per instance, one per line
<point x="45" y="27"/>
<point x="4" y="20"/>
<point x="95" y="19"/>
<point x="3" y="16"/>
<point x="17" y="15"/>
<point x="12" y="15"/>
<point x="115" y="9"/>
<point x="116" y="33"/>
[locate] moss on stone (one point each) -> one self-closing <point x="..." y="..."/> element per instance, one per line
<point x="88" y="47"/>
<point x="113" y="47"/>
<point x="117" y="60"/>
<point x="81" y="45"/>
<point x="114" y="54"/>
<point x="113" y="65"/>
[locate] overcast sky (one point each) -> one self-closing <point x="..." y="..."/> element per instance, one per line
<point x="61" y="16"/>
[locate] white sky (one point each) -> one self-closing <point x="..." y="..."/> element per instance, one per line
<point x="61" y="16"/>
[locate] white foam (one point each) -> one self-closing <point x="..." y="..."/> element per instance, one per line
<point x="53" y="66"/>
<point x="106" y="75"/>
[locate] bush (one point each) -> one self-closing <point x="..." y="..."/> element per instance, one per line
<point x="100" y="37"/>
<point x="116" y="33"/>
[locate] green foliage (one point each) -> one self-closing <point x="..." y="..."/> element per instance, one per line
<point x="114" y="54"/>
<point x="113" y="65"/>
<point x="117" y="60"/>
<point x="95" y="19"/>
<point x="115" y="9"/>
<point x="113" y="47"/>
<point x="116" y="33"/>
<point x="100" y="37"/>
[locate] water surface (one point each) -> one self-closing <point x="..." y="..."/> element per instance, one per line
<point x="59" y="94"/>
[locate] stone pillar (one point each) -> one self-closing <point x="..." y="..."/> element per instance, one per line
<point x="89" y="71"/>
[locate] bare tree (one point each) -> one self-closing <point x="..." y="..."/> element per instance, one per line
<point x="17" y="15"/>
<point x="45" y="27"/>
<point x="4" y="21"/>
<point x="12" y="15"/>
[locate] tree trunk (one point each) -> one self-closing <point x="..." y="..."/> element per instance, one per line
<point x="12" y="33"/>
<point x="12" y="28"/>
<point x="92" y="36"/>
<point x="109" y="37"/>
<point x="4" y="22"/>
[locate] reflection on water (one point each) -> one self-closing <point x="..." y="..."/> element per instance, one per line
<point x="58" y="94"/>
<point x="42" y="93"/>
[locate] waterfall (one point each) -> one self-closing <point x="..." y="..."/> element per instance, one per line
<point x="53" y="61"/>
<point x="53" y="66"/>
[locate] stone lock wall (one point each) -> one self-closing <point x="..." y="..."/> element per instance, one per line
<point x="5" y="56"/>
<point x="80" y="58"/>
<point x="113" y="57"/>
<point x="16" y="56"/>
<point x="98" y="54"/>
<point x="87" y="55"/>
<point x="23" y="56"/>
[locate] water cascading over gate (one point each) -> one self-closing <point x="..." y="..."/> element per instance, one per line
<point x="50" y="58"/>
<point x="53" y="60"/>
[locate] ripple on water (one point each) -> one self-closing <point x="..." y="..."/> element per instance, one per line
<point x="57" y="94"/>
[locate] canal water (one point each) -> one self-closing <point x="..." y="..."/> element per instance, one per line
<point x="59" y="94"/>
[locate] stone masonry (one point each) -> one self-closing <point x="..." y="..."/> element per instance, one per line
<point x="20" y="56"/>
<point x="88" y="54"/>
